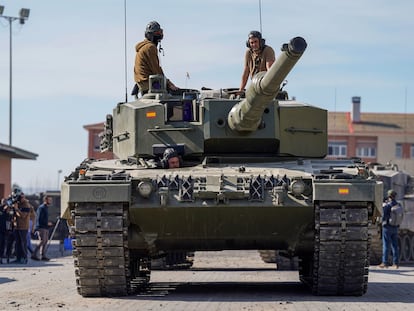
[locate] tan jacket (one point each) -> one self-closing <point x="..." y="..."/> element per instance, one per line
<point x="146" y="63"/>
<point x="257" y="62"/>
<point x="24" y="213"/>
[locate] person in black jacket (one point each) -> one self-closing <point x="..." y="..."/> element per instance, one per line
<point x="4" y="215"/>
<point x="42" y="228"/>
<point x="7" y="224"/>
<point x="389" y="233"/>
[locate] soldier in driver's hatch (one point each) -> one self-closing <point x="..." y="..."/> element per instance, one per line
<point x="146" y="58"/>
<point x="170" y="159"/>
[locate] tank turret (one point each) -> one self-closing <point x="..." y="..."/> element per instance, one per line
<point x="207" y="123"/>
<point x="246" y="115"/>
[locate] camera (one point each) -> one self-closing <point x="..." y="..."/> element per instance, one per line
<point x="14" y="197"/>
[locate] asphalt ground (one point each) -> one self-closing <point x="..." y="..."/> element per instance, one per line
<point x="227" y="280"/>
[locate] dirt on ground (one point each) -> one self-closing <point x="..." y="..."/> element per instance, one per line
<point x="227" y="280"/>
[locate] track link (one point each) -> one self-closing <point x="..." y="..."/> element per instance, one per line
<point x="341" y="253"/>
<point x="282" y="263"/>
<point x="101" y="255"/>
<point x="173" y="260"/>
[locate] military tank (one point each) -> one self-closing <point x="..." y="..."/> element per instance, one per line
<point x="252" y="177"/>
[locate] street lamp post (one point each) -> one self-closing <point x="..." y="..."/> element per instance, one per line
<point x="23" y="16"/>
<point x="58" y="179"/>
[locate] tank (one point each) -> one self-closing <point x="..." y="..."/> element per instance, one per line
<point x="403" y="183"/>
<point x="252" y="177"/>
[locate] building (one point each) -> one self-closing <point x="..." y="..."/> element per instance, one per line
<point x="7" y="153"/>
<point x="94" y="150"/>
<point x="373" y="137"/>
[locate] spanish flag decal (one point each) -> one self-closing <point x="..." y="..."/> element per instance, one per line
<point x="151" y="114"/>
<point x="343" y="190"/>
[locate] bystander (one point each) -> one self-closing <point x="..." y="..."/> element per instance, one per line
<point x="24" y="212"/>
<point x="42" y="227"/>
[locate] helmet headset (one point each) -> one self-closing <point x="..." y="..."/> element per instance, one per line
<point x="168" y="154"/>
<point x="154" y="32"/>
<point x="258" y="35"/>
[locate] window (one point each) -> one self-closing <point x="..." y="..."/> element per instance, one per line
<point x="337" y="149"/>
<point x="366" y="150"/>
<point x="398" y="150"/>
<point x="96" y="142"/>
<point x="182" y="110"/>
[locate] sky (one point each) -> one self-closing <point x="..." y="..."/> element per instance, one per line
<point x="73" y="62"/>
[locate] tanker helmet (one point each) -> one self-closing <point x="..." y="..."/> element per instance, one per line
<point x="258" y="35"/>
<point x="154" y="32"/>
<point x="168" y="154"/>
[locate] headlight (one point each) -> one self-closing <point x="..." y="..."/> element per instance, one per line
<point x="145" y="188"/>
<point x="297" y="187"/>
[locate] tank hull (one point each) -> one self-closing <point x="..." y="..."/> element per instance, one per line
<point x="228" y="227"/>
<point x="222" y="207"/>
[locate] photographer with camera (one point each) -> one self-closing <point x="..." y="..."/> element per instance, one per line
<point x="4" y="215"/>
<point x="25" y="212"/>
<point x="7" y="225"/>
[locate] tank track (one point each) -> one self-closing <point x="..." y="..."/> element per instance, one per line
<point x="140" y="273"/>
<point x="340" y="262"/>
<point x="173" y="260"/>
<point x="282" y="262"/>
<point x="103" y="266"/>
<point x="375" y="252"/>
<point x="179" y="260"/>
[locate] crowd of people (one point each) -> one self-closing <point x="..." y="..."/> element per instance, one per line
<point x="18" y="223"/>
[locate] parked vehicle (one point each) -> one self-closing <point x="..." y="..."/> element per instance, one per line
<point x="403" y="183"/>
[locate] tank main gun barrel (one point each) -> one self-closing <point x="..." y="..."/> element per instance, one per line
<point x="245" y="116"/>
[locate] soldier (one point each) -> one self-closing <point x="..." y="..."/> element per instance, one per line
<point x="170" y="159"/>
<point x="146" y="59"/>
<point x="258" y="57"/>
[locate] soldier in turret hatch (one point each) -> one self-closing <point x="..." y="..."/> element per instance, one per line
<point x="258" y="57"/>
<point x="146" y="59"/>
